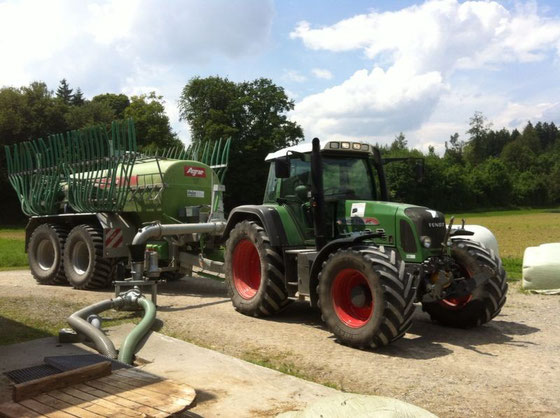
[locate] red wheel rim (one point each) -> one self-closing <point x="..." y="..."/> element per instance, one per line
<point x="345" y="282"/>
<point x="456" y="303"/>
<point x="452" y="303"/>
<point x="246" y="269"/>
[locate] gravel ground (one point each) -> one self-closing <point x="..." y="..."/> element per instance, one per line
<point x="508" y="367"/>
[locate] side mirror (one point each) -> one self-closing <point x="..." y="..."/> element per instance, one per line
<point x="419" y="171"/>
<point x="282" y="168"/>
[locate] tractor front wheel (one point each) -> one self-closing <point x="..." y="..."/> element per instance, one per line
<point x="44" y="253"/>
<point x="486" y="301"/>
<point x="84" y="264"/>
<point x="366" y="297"/>
<point x="254" y="271"/>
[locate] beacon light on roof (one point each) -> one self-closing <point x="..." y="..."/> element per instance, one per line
<point x="345" y="145"/>
<point x="356" y="146"/>
<point x="334" y="145"/>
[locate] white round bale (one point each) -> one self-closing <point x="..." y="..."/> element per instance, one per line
<point x="482" y="235"/>
<point x="541" y="268"/>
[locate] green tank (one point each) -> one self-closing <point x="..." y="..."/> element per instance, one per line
<point x="170" y="190"/>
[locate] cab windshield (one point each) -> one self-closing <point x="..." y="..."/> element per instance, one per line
<point x="343" y="178"/>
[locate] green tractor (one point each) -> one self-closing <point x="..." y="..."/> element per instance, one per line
<point x="327" y="233"/>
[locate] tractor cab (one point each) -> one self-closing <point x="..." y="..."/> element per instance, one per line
<point x="347" y="176"/>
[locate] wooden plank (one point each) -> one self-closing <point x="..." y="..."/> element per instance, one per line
<point x="100" y="405"/>
<point x="15" y="410"/>
<point x="44" y="409"/>
<point x="49" y="400"/>
<point x="59" y="394"/>
<point x="134" y="396"/>
<point x="60" y="380"/>
<point x="166" y="387"/>
<point x="139" y="374"/>
<point x="160" y="397"/>
<point x="90" y="391"/>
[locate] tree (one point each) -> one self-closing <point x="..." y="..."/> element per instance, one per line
<point x="153" y="129"/>
<point x="117" y="102"/>
<point x="88" y="114"/>
<point x="475" y="149"/>
<point x="454" y="151"/>
<point x="64" y="92"/>
<point x="253" y="114"/>
<point x="399" y="144"/>
<point x="78" y="98"/>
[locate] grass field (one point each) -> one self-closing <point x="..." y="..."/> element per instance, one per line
<point x="20" y="320"/>
<point x="12" y="248"/>
<point x="515" y="230"/>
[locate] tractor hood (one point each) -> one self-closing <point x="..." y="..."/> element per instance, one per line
<point x="408" y="227"/>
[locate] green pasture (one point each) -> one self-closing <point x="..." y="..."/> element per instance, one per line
<point x="12" y="248"/>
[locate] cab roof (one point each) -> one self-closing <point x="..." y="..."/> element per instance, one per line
<point x="335" y="146"/>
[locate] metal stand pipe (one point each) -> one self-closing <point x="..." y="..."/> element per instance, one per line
<point x="158" y="230"/>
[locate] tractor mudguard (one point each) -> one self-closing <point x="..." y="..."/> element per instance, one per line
<point x="322" y="257"/>
<point x="267" y="216"/>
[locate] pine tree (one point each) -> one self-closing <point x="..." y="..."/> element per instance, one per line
<point x="78" y="98"/>
<point x="64" y="91"/>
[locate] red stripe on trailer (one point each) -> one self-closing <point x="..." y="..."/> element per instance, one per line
<point x="118" y="242"/>
<point x="111" y="235"/>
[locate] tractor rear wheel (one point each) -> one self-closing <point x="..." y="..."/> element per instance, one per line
<point x="84" y="264"/>
<point x="254" y="271"/>
<point x="366" y="297"/>
<point x="486" y="301"/>
<point x="45" y="254"/>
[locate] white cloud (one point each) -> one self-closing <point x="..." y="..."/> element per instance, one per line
<point x="114" y="45"/>
<point x="295" y="76"/>
<point x="370" y="103"/>
<point x="420" y="48"/>
<point x="322" y="73"/>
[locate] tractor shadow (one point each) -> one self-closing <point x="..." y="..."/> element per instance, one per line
<point x="200" y="287"/>
<point x="427" y="339"/>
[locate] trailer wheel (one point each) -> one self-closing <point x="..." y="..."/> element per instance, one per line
<point x="45" y="254"/>
<point x="485" y="302"/>
<point x="84" y="264"/>
<point x="366" y="297"/>
<point x="254" y="271"/>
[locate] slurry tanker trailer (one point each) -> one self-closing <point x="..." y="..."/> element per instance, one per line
<point x="326" y="231"/>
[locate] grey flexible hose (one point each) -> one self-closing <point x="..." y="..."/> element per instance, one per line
<point x="78" y="322"/>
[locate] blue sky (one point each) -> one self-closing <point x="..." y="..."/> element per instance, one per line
<point x="355" y="69"/>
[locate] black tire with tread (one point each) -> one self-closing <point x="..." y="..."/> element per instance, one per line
<point x="487" y="301"/>
<point x="57" y="235"/>
<point x="100" y="271"/>
<point x="272" y="296"/>
<point x="393" y="291"/>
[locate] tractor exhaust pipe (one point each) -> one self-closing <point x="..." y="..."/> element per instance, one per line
<point x="318" y="195"/>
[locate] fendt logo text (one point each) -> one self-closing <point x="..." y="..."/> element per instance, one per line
<point x="195" y="171"/>
<point x="436" y="224"/>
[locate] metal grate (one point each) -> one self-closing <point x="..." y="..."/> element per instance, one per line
<point x="66" y="363"/>
<point x="32" y="373"/>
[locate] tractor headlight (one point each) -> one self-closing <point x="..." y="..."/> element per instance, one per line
<point x="426" y="241"/>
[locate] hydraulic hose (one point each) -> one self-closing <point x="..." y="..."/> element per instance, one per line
<point x="129" y="345"/>
<point x="78" y="322"/>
